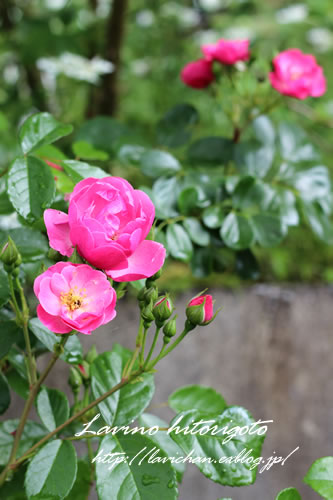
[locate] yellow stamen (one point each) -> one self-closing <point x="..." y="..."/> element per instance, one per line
<point x="73" y="300"/>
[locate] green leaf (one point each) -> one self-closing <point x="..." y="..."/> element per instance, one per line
<point x="175" y="128"/>
<point x="247" y="266"/>
<point x="40" y="129"/>
<point x="5" y="205"/>
<point x="103" y="132"/>
<point x="237" y="232"/>
<point x="318" y="220"/>
<point x="196" y="397"/>
<point x="320" y="477"/>
<point x="52" y="471"/>
<point x="4" y="288"/>
<point x="128" y="403"/>
<point x="52" y="407"/>
<point x="213" y="217"/>
<point x="293" y="144"/>
<point x="4" y="394"/>
<point x="269" y="230"/>
<point x="252" y="158"/>
<point x="10" y="333"/>
<point x="313" y="183"/>
<point x="13" y="488"/>
<point x="202" y="262"/>
<point x="31" y="244"/>
<point x="163" y="440"/>
<point x="17" y="360"/>
<point x="18" y="383"/>
<point x="218" y="447"/>
<point x="196" y="232"/>
<point x="84" y="150"/>
<point x="164" y="196"/>
<point x="131" y="154"/>
<point x="211" y="150"/>
<point x="72" y="350"/>
<point x="81" y="488"/>
<point x="288" y="494"/>
<point x="31" y="187"/>
<point x="32" y="433"/>
<point x="189" y="199"/>
<point x="264" y="130"/>
<point x="133" y="478"/>
<point x="156" y="163"/>
<point x="179" y="243"/>
<point x="78" y="170"/>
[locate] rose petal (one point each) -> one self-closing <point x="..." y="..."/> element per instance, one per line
<point x="53" y="323"/>
<point x="147" y="259"/>
<point x="57" y="227"/>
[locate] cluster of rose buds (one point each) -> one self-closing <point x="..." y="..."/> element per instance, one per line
<point x="294" y="74"/>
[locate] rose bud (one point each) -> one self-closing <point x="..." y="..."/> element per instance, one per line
<point x="169" y="330"/>
<point x="297" y="75"/>
<point x="147" y="315"/>
<point x="74" y="297"/>
<point x="74" y="380"/>
<point x="198" y="74"/>
<point x="151" y="295"/>
<point x="200" y="310"/>
<point x="162" y="310"/>
<point x="10" y="255"/>
<point x="91" y="354"/>
<point x="227" y="51"/>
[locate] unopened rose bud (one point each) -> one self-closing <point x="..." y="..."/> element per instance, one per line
<point x="200" y="310"/>
<point x="74" y="380"/>
<point x="170" y="328"/>
<point x="147" y="315"/>
<point x="151" y="295"/>
<point x="162" y="310"/>
<point x="84" y="369"/>
<point x="10" y="255"/>
<point x="91" y="354"/>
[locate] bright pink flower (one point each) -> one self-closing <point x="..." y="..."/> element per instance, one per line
<point x="74" y="297"/>
<point x="297" y="75"/>
<point x="200" y="310"/>
<point x="108" y="222"/>
<point x="198" y="74"/>
<point x="227" y="51"/>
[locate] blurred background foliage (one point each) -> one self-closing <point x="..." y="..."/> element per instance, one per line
<point x="55" y="56"/>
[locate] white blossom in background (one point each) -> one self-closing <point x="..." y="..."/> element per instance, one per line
<point x="187" y="17"/>
<point x="206" y="37"/>
<point x="320" y="38"/>
<point x="292" y="14"/>
<point x="103" y="8"/>
<point x="145" y="18"/>
<point x="239" y="33"/>
<point x="74" y="66"/>
<point x="212" y="5"/>
<point x="140" y="67"/>
<point x="11" y="73"/>
<point x="55" y="4"/>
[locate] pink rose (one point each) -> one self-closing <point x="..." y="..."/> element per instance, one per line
<point x="227" y="51"/>
<point x="198" y="74"/>
<point x="74" y="297"/>
<point x="108" y="222"/>
<point x="200" y="310"/>
<point x="297" y="75"/>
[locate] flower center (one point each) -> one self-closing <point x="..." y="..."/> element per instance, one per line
<point x="72" y="299"/>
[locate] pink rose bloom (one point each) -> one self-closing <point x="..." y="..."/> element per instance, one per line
<point x="200" y="310"/>
<point x="297" y="75"/>
<point x="108" y="222"/>
<point x="227" y="51"/>
<point x="74" y="297"/>
<point x="198" y="74"/>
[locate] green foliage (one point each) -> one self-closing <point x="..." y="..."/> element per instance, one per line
<point x="196" y="397"/>
<point x="125" y="405"/>
<point x="320" y="477"/>
<point x="288" y="494"/>
<point x="140" y="479"/>
<point x="52" y="408"/>
<point x="52" y="471"/>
